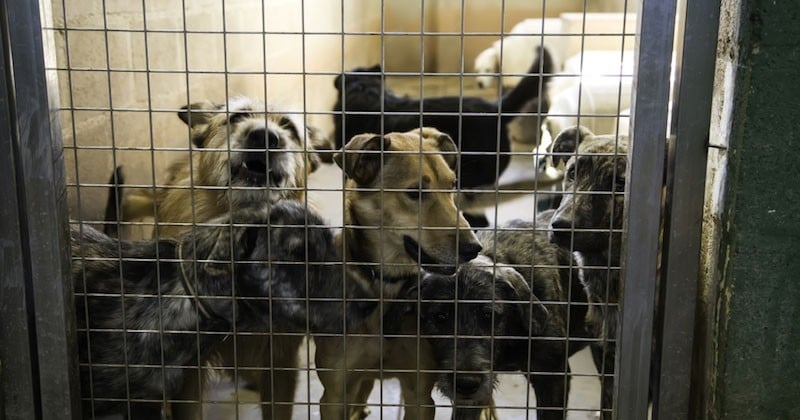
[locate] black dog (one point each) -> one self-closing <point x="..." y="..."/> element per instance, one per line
<point x="478" y="125"/>
<point x="148" y="310"/>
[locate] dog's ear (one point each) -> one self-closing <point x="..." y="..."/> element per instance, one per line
<point x="197" y="113"/>
<point x="532" y="315"/>
<point x="361" y="157"/>
<point x="567" y="141"/>
<point x="322" y="144"/>
<point x="337" y="82"/>
<point x="441" y="141"/>
<point x="449" y="150"/>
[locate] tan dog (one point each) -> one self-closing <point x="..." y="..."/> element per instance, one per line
<point x="243" y="153"/>
<point x="400" y="216"/>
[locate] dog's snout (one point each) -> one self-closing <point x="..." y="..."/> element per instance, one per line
<point x="468" y="251"/>
<point x="261" y="138"/>
<point x="468" y="384"/>
<point x="257" y="139"/>
<point x="273" y="141"/>
<point x="560" y="231"/>
<point x="561" y="224"/>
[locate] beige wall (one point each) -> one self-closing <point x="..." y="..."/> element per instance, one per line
<point x="187" y="67"/>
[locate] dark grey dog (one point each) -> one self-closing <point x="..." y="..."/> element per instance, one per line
<point x="148" y="310"/>
<point x="536" y="342"/>
<point x="589" y="222"/>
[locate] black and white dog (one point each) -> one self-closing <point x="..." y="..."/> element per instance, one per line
<point x="365" y="105"/>
<point x="149" y="310"/>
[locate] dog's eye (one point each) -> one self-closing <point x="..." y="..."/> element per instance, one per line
<point x="237" y="117"/>
<point x="413" y="193"/>
<point x="570" y="175"/>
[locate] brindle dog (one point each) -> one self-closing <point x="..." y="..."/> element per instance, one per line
<point x="589" y="222"/>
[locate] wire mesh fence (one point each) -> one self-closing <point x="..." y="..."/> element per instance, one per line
<point x="346" y="209"/>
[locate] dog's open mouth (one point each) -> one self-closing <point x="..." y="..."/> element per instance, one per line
<point x="255" y="171"/>
<point x="425" y="260"/>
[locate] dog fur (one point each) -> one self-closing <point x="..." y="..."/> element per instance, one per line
<point x="471" y="320"/>
<point x="589" y="222"/>
<point x="243" y="153"/>
<point x="146" y="308"/>
<point x="518" y="52"/>
<point x="479" y="126"/>
<point x="535" y="343"/>
<point x="400" y="216"/>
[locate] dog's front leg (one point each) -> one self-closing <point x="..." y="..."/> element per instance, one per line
<point x="341" y="364"/>
<point x="278" y="385"/>
<point x="416" y="389"/>
<point x="603" y="356"/>
<point x="551" y="382"/>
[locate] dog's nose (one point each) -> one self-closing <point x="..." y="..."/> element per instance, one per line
<point x="468" y="251"/>
<point x="261" y="138"/>
<point x="468" y="384"/>
<point x="561" y="224"/>
<point x="560" y="231"/>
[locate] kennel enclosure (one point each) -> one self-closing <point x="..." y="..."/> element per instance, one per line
<point x="39" y="351"/>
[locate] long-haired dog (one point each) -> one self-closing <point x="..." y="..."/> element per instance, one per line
<point x="400" y="216"/>
<point x="365" y="105"/>
<point x="149" y="310"/>
<point x="538" y="303"/>
<point x="589" y="222"/>
<point x="243" y="153"/>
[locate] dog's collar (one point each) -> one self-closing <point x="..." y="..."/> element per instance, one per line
<point x="187" y="286"/>
<point x="201" y="307"/>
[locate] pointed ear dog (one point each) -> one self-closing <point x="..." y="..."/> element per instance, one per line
<point x="360" y="158"/>
<point x="567" y="142"/>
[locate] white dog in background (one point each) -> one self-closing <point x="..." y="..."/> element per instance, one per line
<point x="517" y="50"/>
<point x="592" y="90"/>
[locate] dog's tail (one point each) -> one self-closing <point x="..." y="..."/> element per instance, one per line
<point x="113" y="205"/>
<point x="531" y="86"/>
